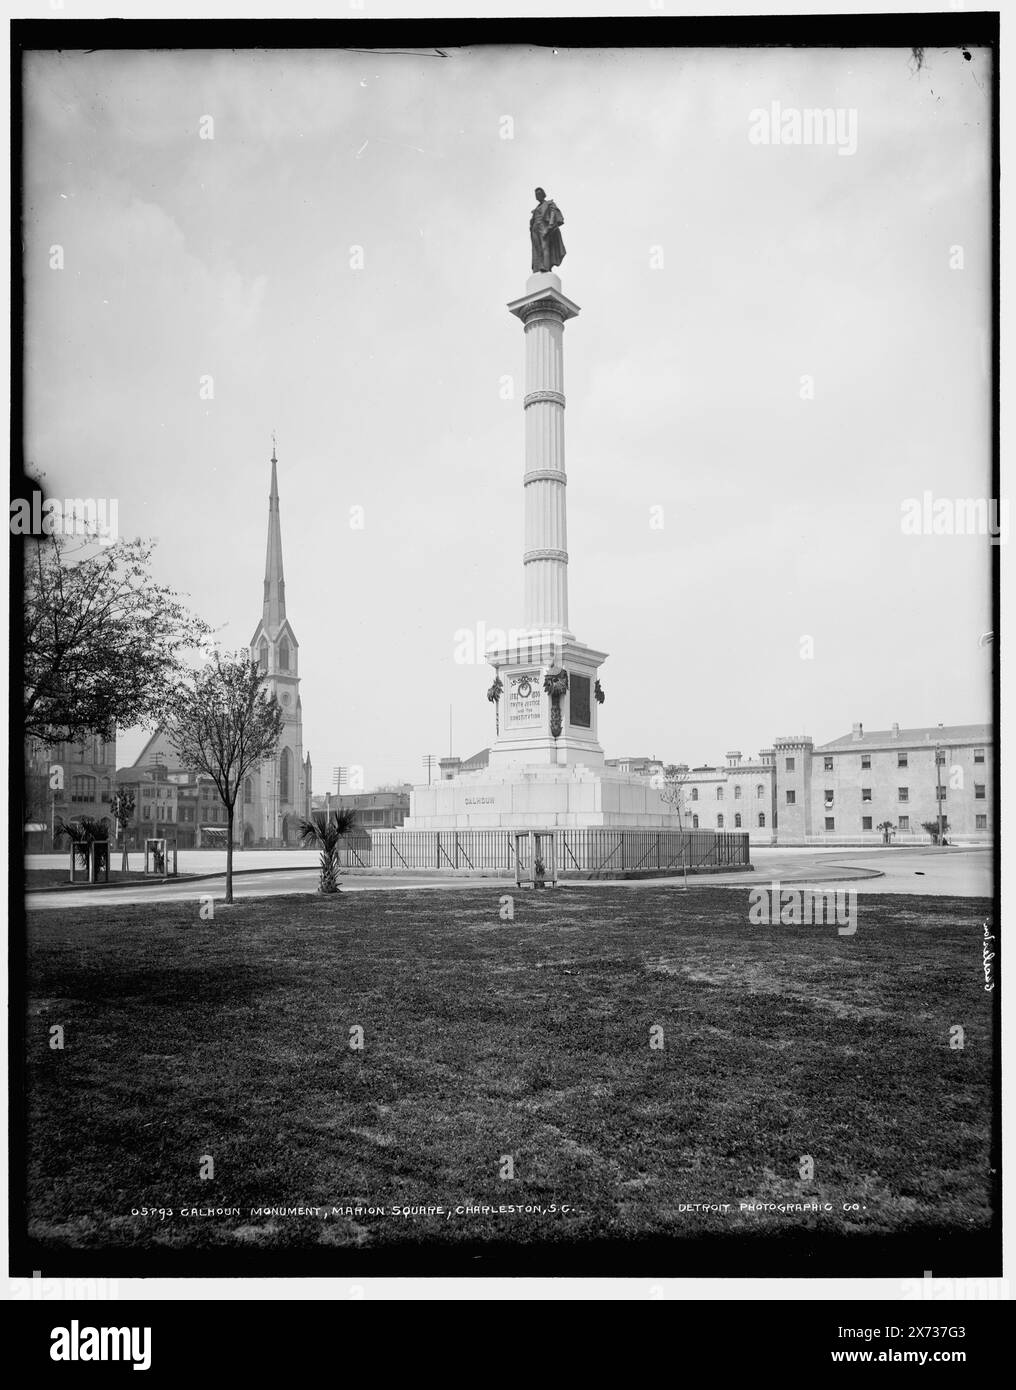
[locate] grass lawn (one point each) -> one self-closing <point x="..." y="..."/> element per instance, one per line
<point x="529" y="1038"/>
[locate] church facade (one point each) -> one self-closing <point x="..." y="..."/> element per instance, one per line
<point x="277" y="796"/>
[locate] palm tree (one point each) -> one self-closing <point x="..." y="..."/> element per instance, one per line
<point x="326" y="832"/>
<point x="81" y="832"/>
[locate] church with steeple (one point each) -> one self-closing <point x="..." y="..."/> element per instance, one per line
<point x="277" y="798"/>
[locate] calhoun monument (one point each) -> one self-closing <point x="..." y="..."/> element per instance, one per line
<point x="546" y="766"/>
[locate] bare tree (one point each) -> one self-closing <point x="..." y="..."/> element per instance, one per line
<point x="226" y="723"/>
<point x="672" y="790"/>
<point x="103" y="642"/>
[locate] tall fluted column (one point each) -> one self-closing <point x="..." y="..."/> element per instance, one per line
<point x="544" y="312"/>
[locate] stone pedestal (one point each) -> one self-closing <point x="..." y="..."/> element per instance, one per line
<point x="564" y="797"/>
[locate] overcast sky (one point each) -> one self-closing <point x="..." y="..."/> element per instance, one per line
<point x="230" y="257"/>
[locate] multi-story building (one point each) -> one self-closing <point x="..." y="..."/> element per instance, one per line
<point x="636" y="767"/>
<point x="384" y="809"/>
<point x="900" y="778"/>
<point x="451" y="766"/>
<point x="178" y="806"/>
<point x="65" y="781"/>
<point x="739" y="796"/>
<point x="857" y="789"/>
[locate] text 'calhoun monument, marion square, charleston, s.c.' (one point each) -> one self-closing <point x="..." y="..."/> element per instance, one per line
<point x="546" y="767"/>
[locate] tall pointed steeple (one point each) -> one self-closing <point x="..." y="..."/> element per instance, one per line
<point x="275" y="585"/>
<point x="277" y="797"/>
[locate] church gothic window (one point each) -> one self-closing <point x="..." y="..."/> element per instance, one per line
<point x="285" y="775"/>
<point x="263" y="656"/>
<point x="284" y="655"/>
<point x="248" y="791"/>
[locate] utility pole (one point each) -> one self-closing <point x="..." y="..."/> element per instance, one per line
<point x="939" y="759"/>
<point x="428" y="761"/>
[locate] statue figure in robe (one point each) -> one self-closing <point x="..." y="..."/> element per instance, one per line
<point x="548" y="248"/>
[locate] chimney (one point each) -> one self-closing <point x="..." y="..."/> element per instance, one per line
<point x="734" y="757"/>
<point x="857" y="732"/>
<point x="896" y="731"/>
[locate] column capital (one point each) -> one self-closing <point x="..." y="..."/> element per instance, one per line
<point x="544" y="302"/>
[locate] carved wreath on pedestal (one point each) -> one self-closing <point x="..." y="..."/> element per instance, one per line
<point x="494" y="696"/>
<point x="598" y="692"/>
<point x="555" y="683"/>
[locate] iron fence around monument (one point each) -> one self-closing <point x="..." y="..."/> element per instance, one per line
<point x="596" y="851"/>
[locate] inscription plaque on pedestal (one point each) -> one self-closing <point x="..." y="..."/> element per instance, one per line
<point x="522" y="702"/>
<point x="578" y="701"/>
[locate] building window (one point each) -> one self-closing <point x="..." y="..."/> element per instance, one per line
<point x="791" y="798"/>
<point x="694" y="822"/>
<point x="760" y="791"/>
<point x="830" y="823"/>
<point x="790" y="764"/>
<point x="100" y="752"/>
<point x="719" y="793"/>
<point x="866" y="822"/>
<point x="83" y="789"/>
<point x="694" y="793"/>
<point x="827" y="764"/>
<point x="737" y="822"/>
<point x="263" y="656"/>
<point x="719" y="822"/>
<point x="978" y="755"/>
<point x="866" y="760"/>
<point x="248" y="791"/>
<point x="940" y="793"/>
<point x="761" y="820"/>
<point x="106" y="793"/>
<point x="284" y="655"/>
<point x="285" y="775"/>
<point x="980" y="822"/>
<point x="901" y="760"/>
<point x="904" y="793"/>
<point x="903" y="822"/>
<point x="829" y="794"/>
<point x="737" y="793"/>
<point x="979" y="791"/>
<point x="865" y="793"/>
